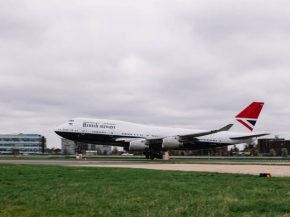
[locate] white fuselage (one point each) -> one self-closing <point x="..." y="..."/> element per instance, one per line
<point x="109" y="132"/>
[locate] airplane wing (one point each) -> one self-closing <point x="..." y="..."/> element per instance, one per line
<point x="194" y="135"/>
<point x="190" y="136"/>
<point x="249" y="136"/>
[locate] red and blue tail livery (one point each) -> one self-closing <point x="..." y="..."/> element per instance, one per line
<point x="249" y="116"/>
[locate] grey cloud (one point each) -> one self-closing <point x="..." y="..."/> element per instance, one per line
<point x="182" y="64"/>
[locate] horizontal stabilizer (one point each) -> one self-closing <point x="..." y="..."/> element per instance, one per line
<point x="249" y="136"/>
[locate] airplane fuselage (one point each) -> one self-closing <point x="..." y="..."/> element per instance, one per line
<point x="120" y="133"/>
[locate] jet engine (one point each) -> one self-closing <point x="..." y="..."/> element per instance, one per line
<point x="138" y="145"/>
<point x="171" y="142"/>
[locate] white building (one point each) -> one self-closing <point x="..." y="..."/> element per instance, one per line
<point x="69" y="147"/>
<point x="22" y="144"/>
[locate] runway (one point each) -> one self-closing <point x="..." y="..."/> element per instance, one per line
<point x="275" y="170"/>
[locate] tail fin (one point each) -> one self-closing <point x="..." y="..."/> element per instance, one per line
<point x="249" y="116"/>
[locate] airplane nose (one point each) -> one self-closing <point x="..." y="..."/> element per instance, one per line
<point x="57" y="132"/>
<point x="58" y="129"/>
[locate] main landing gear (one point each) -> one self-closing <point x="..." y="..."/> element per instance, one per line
<point x="151" y="155"/>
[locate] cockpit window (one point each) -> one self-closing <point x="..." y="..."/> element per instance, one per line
<point x="71" y="121"/>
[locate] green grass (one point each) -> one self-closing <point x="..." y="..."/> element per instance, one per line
<point x="29" y="190"/>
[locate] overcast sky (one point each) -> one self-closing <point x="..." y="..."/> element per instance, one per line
<point x="192" y="64"/>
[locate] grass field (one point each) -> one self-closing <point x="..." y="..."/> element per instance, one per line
<point x="28" y="190"/>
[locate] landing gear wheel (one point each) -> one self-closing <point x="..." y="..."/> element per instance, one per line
<point x="152" y="156"/>
<point x="159" y="156"/>
<point x="147" y="154"/>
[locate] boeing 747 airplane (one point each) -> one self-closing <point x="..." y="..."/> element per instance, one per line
<point x="152" y="140"/>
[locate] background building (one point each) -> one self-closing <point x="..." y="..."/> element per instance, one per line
<point x="217" y="151"/>
<point x="22" y="144"/>
<point x="68" y="147"/>
<point x="275" y="146"/>
<point x="103" y="149"/>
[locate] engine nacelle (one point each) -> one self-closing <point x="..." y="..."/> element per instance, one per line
<point x="138" y="145"/>
<point x="171" y="142"/>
